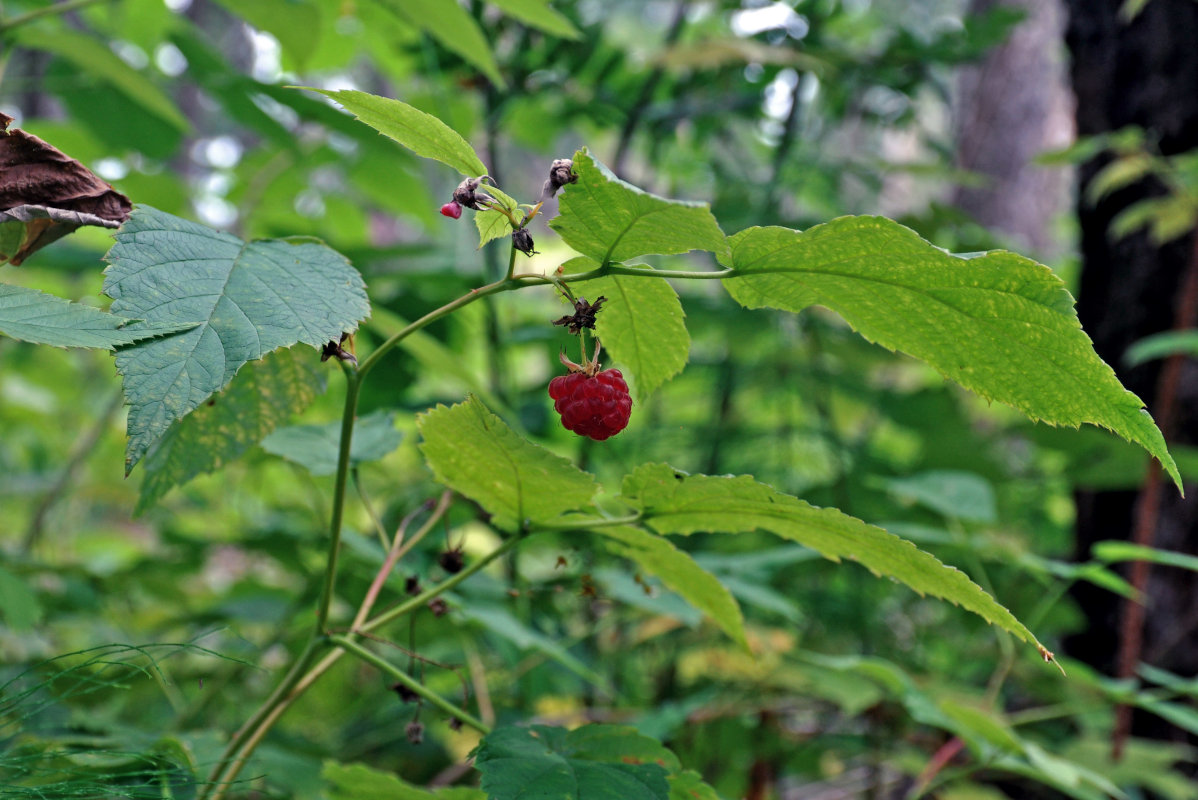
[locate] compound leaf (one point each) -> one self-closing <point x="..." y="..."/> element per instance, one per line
<point x="609" y="220"/>
<point x="679" y="572"/>
<point x="999" y="324"/>
<point x="33" y="316"/>
<point x="422" y="133"/>
<point x="263" y="395"/>
<point x="676" y="503"/>
<point x="472" y="451"/>
<point x="249" y="298"/>
<point x="594" y="762"/>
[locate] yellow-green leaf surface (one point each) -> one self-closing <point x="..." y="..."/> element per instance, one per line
<point x="999" y="324"/>
<point x="609" y="220"/>
<point x="422" y="133"/>
<point x="494" y="224"/>
<point x="641" y="324"/>
<point x="264" y="395"/>
<point x="676" y="503"/>
<point x="249" y="298"/>
<point x="360" y="782"/>
<point x="538" y="14"/>
<point x="679" y="572"/>
<point x="453" y="28"/>
<point x="472" y="451"/>
<point x="40" y="318"/>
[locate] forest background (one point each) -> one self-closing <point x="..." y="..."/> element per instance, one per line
<point x="141" y="622"/>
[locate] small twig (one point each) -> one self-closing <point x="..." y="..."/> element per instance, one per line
<point x="356" y="476"/>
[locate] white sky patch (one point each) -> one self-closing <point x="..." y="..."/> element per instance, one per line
<point x="286" y="116"/>
<point x="780" y="94"/>
<point x="131" y="54"/>
<point x="170" y="60"/>
<point x="222" y="152"/>
<point x="178" y="6"/>
<point x="215" y="211"/>
<point x="111" y="169"/>
<point x="268" y="57"/>
<point x="772" y="17"/>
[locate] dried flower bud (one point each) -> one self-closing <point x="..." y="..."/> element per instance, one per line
<point x="411" y="585"/>
<point x="522" y="241"/>
<point x="561" y="172"/>
<point x="452" y="560"/>
<point x="415" y="732"/>
<point x="467" y="193"/>
<point x="583" y="316"/>
<point x="455" y="724"/>
<point x="438" y="606"/>
<point x="405" y="694"/>
<point x="335" y="350"/>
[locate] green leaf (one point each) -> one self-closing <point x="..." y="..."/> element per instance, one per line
<point x="91" y="57"/>
<point x="1115" y="550"/>
<point x="263" y="395"/>
<point x="958" y="495"/>
<point x="316" y="447"/>
<point x="18" y="603"/>
<point x="689" y="785"/>
<point x="33" y="316"/>
<point x="1161" y="345"/>
<point x="538" y="14"/>
<point x="250" y="298"/>
<point x="453" y="28"/>
<point x="295" y="23"/>
<point x="360" y="782"/>
<point x="422" y="133"/>
<point x="609" y="220"/>
<point x="595" y="762"/>
<point x="493" y="224"/>
<point x="999" y="324"/>
<point x="472" y="451"/>
<point x="642" y="325"/>
<point x="679" y="572"/>
<point x="676" y="503"/>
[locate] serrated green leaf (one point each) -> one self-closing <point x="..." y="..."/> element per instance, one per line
<point x="538" y="14"/>
<point x="595" y="762"/>
<point x="264" y="395"/>
<point x="999" y="324"/>
<point x="33" y="316"/>
<point x="679" y="572"/>
<point x="472" y="451"/>
<point x="316" y="447"/>
<point x="360" y="782"/>
<point x="92" y="57"/>
<point x="422" y="133"/>
<point x="642" y="325"/>
<point x="250" y="298"/>
<point x="689" y="785"/>
<point x="453" y="28"/>
<point x="673" y="502"/>
<point x="609" y="220"/>
<point x="493" y="224"/>
<point x="958" y="495"/>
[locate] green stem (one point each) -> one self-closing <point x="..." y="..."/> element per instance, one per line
<point x="353" y="382"/>
<point x="356" y="475"/>
<point x="48" y="11"/>
<point x="416" y="602"/>
<point x="407" y="680"/>
<point x="511" y="264"/>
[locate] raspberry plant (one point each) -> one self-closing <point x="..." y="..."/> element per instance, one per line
<point x="197" y="312"/>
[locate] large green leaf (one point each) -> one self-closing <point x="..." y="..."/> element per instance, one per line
<point x="360" y="782"/>
<point x="33" y="316"/>
<point x="679" y="572"/>
<point x="594" y="762"/>
<point x="998" y="324"/>
<point x="90" y="56"/>
<point x="472" y="451"/>
<point x="538" y="14"/>
<point x="316" y="447"/>
<point x="609" y="220"/>
<point x="676" y="503"/>
<point x="295" y="23"/>
<point x="249" y="298"/>
<point x="263" y="395"/>
<point x="453" y="28"/>
<point x="423" y="134"/>
<point x="641" y="324"/>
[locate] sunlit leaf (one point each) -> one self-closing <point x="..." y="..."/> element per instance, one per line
<point x="538" y="14"/>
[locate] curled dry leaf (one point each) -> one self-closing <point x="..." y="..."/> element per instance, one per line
<point x="45" y="194"/>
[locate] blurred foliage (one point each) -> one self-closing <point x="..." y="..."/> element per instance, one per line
<point x="777" y="115"/>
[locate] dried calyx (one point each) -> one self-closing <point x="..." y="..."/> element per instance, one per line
<point x="583" y="316"/>
<point x="561" y="172"/>
<point x="522" y="241"/>
<point x="468" y="195"/>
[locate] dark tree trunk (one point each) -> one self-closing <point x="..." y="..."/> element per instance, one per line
<point x="1142" y="73"/>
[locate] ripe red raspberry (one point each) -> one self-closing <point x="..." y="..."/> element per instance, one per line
<point x="451" y="209"/>
<point x="597" y="406"/>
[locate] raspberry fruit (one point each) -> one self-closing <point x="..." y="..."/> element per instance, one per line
<point x="595" y="406"/>
<point x="452" y="209"/>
